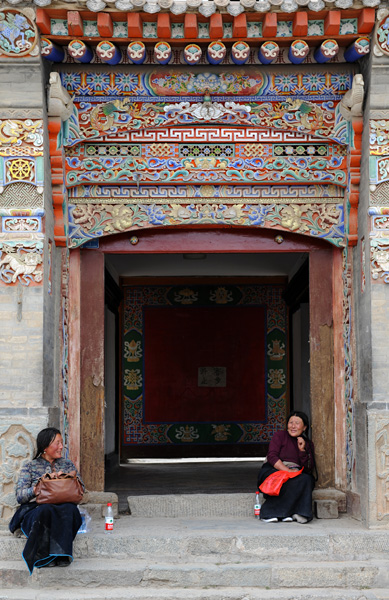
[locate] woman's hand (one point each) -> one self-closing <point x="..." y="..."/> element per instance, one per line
<point x="280" y="466"/>
<point x="301" y="444"/>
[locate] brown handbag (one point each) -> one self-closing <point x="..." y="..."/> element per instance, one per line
<point x="54" y="488"/>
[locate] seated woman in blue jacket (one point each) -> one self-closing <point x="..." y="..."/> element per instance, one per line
<point x="50" y="528"/>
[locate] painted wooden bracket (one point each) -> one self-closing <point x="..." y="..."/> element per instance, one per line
<point x="134" y="25"/>
<point x="355" y="176"/>
<point x="300" y="24"/>
<point x="57" y="181"/>
<point x="75" y="23"/>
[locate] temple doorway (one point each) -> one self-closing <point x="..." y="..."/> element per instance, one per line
<point x="205" y="355"/>
<point x="286" y="290"/>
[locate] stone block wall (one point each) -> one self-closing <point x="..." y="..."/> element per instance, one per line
<point x="21" y="346"/>
<point x="371" y="301"/>
<point x="28" y="273"/>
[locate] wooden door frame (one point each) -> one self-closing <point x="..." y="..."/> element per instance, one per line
<point x="86" y="361"/>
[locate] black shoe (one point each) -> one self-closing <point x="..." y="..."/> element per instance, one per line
<point x="52" y="563"/>
<point x="62" y="561"/>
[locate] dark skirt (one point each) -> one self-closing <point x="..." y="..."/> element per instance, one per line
<point x="295" y="496"/>
<point x="50" y="529"/>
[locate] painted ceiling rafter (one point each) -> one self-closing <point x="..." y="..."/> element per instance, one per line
<point x="139" y="38"/>
<point x="208" y="8"/>
<point x="62" y="24"/>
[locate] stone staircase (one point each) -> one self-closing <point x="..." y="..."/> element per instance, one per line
<point x="208" y="558"/>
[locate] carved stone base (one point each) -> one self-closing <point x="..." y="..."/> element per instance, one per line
<point x="378" y="460"/>
<point x="17" y="445"/>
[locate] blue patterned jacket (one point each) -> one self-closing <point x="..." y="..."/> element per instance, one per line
<point x="33" y="470"/>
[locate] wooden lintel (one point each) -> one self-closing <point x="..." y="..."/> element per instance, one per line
<point x="216" y="27"/>
<point x="164" y="29"/>
<point x="104" y="24"/>
<point x="239" y="29"/>
<point x="269" y="28"/>
<point x="43" y="21"/>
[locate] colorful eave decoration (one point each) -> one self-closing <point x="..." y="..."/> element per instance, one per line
<point x="248" y="38"/>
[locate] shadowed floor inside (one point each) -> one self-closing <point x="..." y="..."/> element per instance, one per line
<point x="202" y="476"/>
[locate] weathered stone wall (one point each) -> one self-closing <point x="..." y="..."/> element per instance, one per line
<point x="357" y="501"/>
<point x="21" y="346"/>
<point x="28" y="302"/>
<point x="371" y="301"/>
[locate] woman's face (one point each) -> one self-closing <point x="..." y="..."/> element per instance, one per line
<point x="54" y="450"/>
<point x="296" y="426"/>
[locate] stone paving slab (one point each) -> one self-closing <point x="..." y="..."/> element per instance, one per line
<point x="211" y="505"/>
<point x="191" y="505"/>
<point x="130" y="593"/>
<point x="266" y="575"/>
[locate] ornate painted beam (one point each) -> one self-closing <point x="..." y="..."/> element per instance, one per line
<point x="136" y="52"/>
<point x="108" y="53"/>
<point x="326" y="51"/>
<point x="162" y="53"/>
<point x="298" y="51"/>
<point x="358" y="49"/>
<point x="216" y="53"/>
<point x="52" y="51"/>
<point x="80" y="51"/>
<point x="268" y="52"/>
<point x="192" y="54"/>
<point x="240" y="53"/>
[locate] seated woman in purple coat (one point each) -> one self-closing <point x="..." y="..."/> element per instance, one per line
<point x="289" y="451"/>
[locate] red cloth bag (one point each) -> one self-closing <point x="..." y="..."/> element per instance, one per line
<point x="274" y="482"/>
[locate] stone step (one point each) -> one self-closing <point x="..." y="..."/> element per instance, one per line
<point x="192" y="505"/>
<point x="135" y="593"/>
<point x="230" y="540"/>
<point x="144" y="573"/>
<point x="221" y="505"/>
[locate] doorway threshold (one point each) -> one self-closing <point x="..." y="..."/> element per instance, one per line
<point x="191" y="460"/>
<point x="150" y="477"/>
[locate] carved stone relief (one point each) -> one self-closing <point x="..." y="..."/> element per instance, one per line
<point x="20" y="262"/>
<point x="19" y="34"/>
<point x="21" y="195"/>
<point x="381" y="46"/>
<point x="382" y="467"/>
<point x="16" y="447"/>
<point x="379" y="184"/>
<point x="379" y="250"/>
<point x="379" y="194"/>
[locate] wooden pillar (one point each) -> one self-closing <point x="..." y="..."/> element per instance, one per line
<point x="322" y="363"/>
<point x="339" y="386"/>
<point x="92" y="369"/>
<point x="74" y="356"/>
